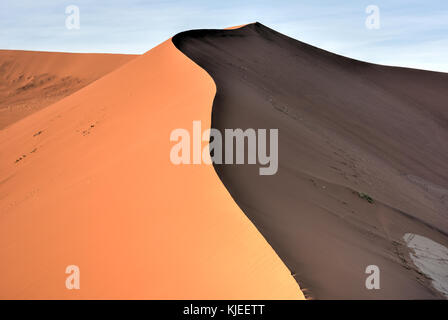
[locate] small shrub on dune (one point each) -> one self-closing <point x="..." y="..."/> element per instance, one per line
<point x="366" y="197"/>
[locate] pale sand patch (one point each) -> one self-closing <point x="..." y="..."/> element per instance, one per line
<point x="431" y="258"/>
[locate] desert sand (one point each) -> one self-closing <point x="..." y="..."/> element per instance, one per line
<point x="363" y="158"/>
<point x="88" y="181"/>
<point x="32" y="80"/>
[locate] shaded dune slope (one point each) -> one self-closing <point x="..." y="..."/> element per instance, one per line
<point x="345" y="127"/>
<point x="32" y="80"/>
<point x="88" y="181"/>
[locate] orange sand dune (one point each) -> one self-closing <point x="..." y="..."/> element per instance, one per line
<point x="31" y="80"/>
<point x="88" y="181"/>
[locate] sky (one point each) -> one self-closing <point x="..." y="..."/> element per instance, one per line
<point x="410" y="33"/>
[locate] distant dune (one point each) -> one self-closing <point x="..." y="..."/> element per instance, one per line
<point x="31" y="80"/>
<point x="88" y="181"/>
<point x="363" y="159"/>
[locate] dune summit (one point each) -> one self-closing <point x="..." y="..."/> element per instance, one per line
<point x="363" y="158"/>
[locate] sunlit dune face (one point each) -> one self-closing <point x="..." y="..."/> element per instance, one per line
<point x="236" y="27"/>
<point x="94" y="187"/>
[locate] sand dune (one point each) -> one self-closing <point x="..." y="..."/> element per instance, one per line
<point x="349" y="132"/>
<point x="88" y="181"/>
<point x="31" y="80"/>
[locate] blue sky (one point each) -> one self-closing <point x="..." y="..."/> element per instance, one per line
<point x="412" y="33"/>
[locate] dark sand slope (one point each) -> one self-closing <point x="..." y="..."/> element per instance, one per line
<point x="345" y="127"/>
